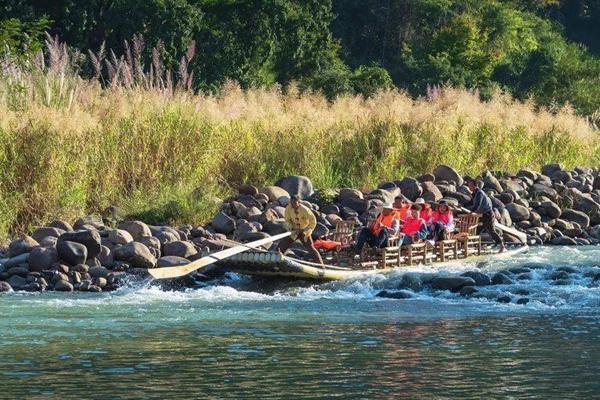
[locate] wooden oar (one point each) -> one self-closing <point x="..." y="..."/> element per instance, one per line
<point x="176" y="272"/>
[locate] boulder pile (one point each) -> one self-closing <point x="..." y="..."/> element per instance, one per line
<point x="554" y="206"/>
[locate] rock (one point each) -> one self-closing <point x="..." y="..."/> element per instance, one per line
<point x="400" y="294"/>
<point x="431" y="192"/>
<point x="446" y="173"/>
<point x="320" y="231"/>
<point x="503" y="299"/>
<point x="252" y="236"/>
<point x="576" y="216"/>
<point x="517" y="213"/>
<point x="563" y="241"/>
<point x="41" y="233"/>
<point x="528" y="174"/>
<point x="275" y="227"/>
<point x="452" y="283"/>
<point x="523" y="300"/>
<point x="23" y="244"/>
<point x="171" y="261"/>
<point x="89" y="222"/>
<point x="99" y="272"/>
<point x="164" y="237"/>
<point x="274" y="192"/>
<point x="5" y="287"/>
<point x="490" y="182"/>
<point x="411" y="281"/>
<point x="248" y="190"/>
<point x="137" y="229"/>
<point x="549" y="208"/>
<point x="556" y="275"/>
<point x="71" y="252"/>
<point x="296" y="185"/>
<point x="90" y="239"/>
<point x="410" y="188"/>
<point x="348" y="193"/>
<point x="64" y="225"/>
<point x="561" y="282"/>
<point x="42" y="258"/>
<point x="561" y="176"/>
<point x="179" y="248"/>
<point x="120" y="236"/>
<point x="550" y="169"/>
<point x="63" y="286"/>
<point x="17" y="282"/>
<point x="467" y="291"/>
<point x="480" y="278"/>
<point x="135" y="254"/>
<point x="14" y="261"/>
<point x="500" y="278"/>
<point x="222" y="223"/>
<point x="99" y="282"/>
<point x="358" y="205"/>
<point x="539" y="189"/>
<point x="18" y="270"/>
<point x="48" y="241"/>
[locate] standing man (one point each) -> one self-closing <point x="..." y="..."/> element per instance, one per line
<point x="301" y="221"/>
<point x="482" y="205"/>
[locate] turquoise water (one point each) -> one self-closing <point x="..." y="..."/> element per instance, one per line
<point x="323" y="341"/>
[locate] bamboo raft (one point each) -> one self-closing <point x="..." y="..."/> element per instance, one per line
<point x="342" y="263"/>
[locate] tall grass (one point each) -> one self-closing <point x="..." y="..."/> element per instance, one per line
<point x="154" y="149"/>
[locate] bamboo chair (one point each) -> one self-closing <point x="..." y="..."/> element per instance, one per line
<point x="466" y="234"/>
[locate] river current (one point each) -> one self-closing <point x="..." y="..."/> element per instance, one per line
<point x="238" y="338"/>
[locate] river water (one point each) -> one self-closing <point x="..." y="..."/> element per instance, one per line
<point x="230" y="340"/>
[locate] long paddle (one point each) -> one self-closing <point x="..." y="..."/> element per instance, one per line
<point x="182" y="270"/>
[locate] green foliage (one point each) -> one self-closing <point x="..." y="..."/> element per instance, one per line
<point x="22" y="39"/>
<point x="368" y="80"/>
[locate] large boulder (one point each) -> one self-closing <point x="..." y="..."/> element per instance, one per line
<point x="222" y="223"/>
<point x="349" y="193"/>
<point x="247" y="190"/>
<point x="47" y="231"/>
<point x="120" y="236"/>
<point x="23" y="244"/>
<point x="179" y="248"/>
<point x="17" y="282"/>
<point x="576" y="216"/>
<point x="42" y="258"/>
<point x="135" y="254"/>
<point x="452" y="283"/>
<point x="137" y="229"/>
<point x="296" y="185"/>
<point x="275" y="227"/>
<point x="480" y="278"/>
<point x="5" y="287"/>
<point x="410" y="188"/>
<point x="171" y="261"/>
<point x="63" y="286"/>
<point x="449" y="174"/>
<point x="563" y="241"/>
<point x="431" y="192"/>
<point x="539" y="189"/>
<point x="274" y="192"/>
<point x="550" y="209"/>
<point x="517" y="213"/>
<point x="90" y="239"/>
<point x="358" y="205"/>
<point x="89" y="222"/>
<point x="550" y="169"/>
<point x="72" y="253"/>
<point x="490" y="182"/>
<point x="60" y="224"/>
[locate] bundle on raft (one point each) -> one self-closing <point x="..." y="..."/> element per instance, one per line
<point x="556" y="206"/>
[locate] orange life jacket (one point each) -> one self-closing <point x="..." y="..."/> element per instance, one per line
<point x="387" y="220"/>
<point x="412" y="225"/>
<point x="444" y="218"/>
<point x="402" y="212"/>
<point x="426" y="213"/>
<point x="326" y="244"/>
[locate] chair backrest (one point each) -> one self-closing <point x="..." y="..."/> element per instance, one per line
<point x="467" y="224"/>
<point x="344" y="231"/>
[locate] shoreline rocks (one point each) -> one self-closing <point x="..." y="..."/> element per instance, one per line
<point x="552" y="207"/>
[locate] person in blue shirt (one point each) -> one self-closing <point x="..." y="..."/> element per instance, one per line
<point x="481" y="204"/>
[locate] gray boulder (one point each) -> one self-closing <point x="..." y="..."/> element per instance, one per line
<point x="517" y="213"/>
<point x="42" y="258"/>
<point x="99" y="272"/>
<point x="431" y="192"/>
<point x="171" y="261"/>
<point x="64" y="225"/>
<point x="120" y="236"/>
<point x="490" y="182"/>
<point x="137" y="229"/>
<point x="164" y="237"/>
<point x="296" y="185"/>
<point x="452" y="283"/>
<point x="550" y="208"/>
<point x="349" y="193"/>
<point x="500" y="278"/>
<point x="411" y="188"/>
<point x="63" y="286"/>
<point x="179" y="248"/>
<point x="17" y="260"/>
<point x="41" y="233"/>
<point x="5" y="287"/>
<point x="274" y="192"/>
<point x="446" y="173"/>
<point x="135" y="254"/>
<point x="397" y="294"/>
<point x="550" y="169"/>
<point x="23" y="244"/>
<point x="222" y="223"/>
<point x="90" y="239"/>
<point x="72" y="253"/>
<point x="89" y="222"/>
<point x="275" y="227"/>
<point x="563" y="241"/>
<point x="17" y="282"/>
<point x="480" y="278"/>
<point x="576" y="216"/>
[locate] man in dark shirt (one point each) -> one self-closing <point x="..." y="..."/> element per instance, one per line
<point x="482" y="205"/>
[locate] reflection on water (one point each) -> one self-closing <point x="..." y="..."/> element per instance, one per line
<point x="326" y="341"/>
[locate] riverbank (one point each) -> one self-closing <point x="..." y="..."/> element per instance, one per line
<point x="555" y="206"/>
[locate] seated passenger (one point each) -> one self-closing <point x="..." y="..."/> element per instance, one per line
<point x="426" y="211"/>
<point x="402" y="206"/>
<point x="442" y="222"/>
<point x="415" y="228"/>
<point x="376" y="235"/>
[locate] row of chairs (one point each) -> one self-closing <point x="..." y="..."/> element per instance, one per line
<point x="462" y="243"/>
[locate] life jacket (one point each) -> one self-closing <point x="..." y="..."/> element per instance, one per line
<point x="402" y="212"/>
<point x="412" y="225"/>
<point x="387" y="220"/>
<point x="444" y="218"/>
<point x="327" y="244"/>
<point x="426" y="213"/>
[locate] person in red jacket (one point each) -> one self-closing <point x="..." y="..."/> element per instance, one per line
<point x="414" y="228"/>
<point x="385" y="226"/>
<point x="426" y="212"/>
<point x="442" y="222"/>
<point x="402" y="207"/>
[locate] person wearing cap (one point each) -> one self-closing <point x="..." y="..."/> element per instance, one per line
<point x="442" y="222"/>
<point x="401" y="206"/>
<point x="426" y="211"/>
<point x="414" y="228"/>
<point x="481" y="204"/>
<point x="302" y="222"/>
<point x="385" y="226"/>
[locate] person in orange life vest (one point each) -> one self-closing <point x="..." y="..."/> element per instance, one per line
<point x="402" y="206"/>
<point x="385" y="226"/>
<point x="442" y="222"/>
<point x="415" y="228"/>
<point x="426" y="212"/>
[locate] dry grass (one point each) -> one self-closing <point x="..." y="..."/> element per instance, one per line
<point x="150" y="146"/>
